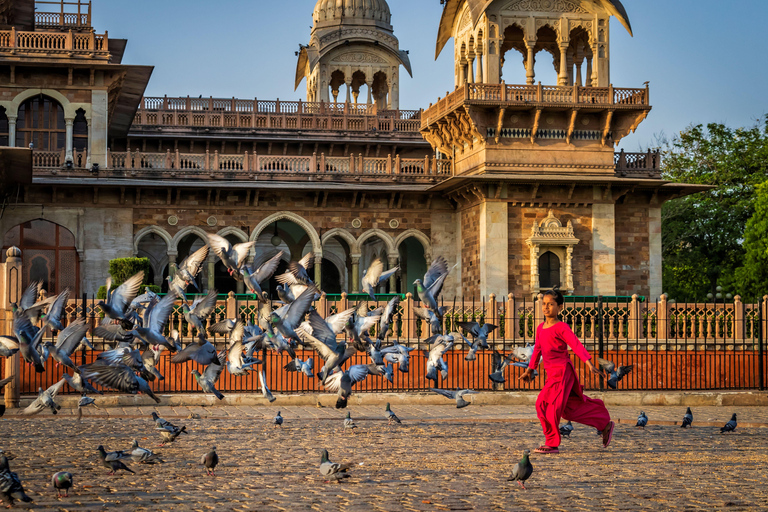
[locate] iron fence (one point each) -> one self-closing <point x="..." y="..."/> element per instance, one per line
<point x="671" y="346"/>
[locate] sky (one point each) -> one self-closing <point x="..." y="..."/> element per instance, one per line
<point x="704" y="63"/>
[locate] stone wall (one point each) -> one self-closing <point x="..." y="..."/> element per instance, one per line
<point x="632" y="249"/>
<point x="470" y="252"/>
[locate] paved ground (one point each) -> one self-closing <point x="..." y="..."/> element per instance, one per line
<point x="441" y="458"/>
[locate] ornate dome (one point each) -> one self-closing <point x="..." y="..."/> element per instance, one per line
<point x="336" y="10"/>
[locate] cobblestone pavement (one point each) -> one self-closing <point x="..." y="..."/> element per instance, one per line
<point x="440" y="458"/>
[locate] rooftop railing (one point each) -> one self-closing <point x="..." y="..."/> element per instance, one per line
<point x="78" y="17"/>
<point x="55" y="44"/>
<point x="536" y="95"/>
<point x="638" y="164"/>
<point x="272" y="115"/>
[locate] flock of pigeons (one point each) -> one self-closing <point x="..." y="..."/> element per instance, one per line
<point x="137" y="326"/>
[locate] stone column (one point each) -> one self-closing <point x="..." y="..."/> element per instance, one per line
<point x="534" y="269"/>
<point x="588" y="74"/>
<point x="470" y="70"/>
<point x="594" y="76"/>
<point x="355" y="272"/>
<point x="172" y="255"/>
<point x="480" y="77"/>
<point x="603" y="249"/>
<point x="97" y="128"/>
<point x="369" y="84"/>
<point x="11" y="293"/>
<point x="494" y="249"/>
<point x="530" y="75"/>
<point x="569" y="269"/>
<point x="348" y="82"/>
<point x="12" y="131"/>
<point x="211" y="272"/>
<point x="654" y="250"/>
<point x="562" y="77"/>
<point x="68" y="139"/>
<point x="319" y="269"/>
<point x="392" y="261"/>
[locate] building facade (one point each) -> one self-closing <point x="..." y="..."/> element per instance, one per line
<point x="518" y="186"/>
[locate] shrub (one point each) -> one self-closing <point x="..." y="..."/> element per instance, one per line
<point x="121" y="269"/>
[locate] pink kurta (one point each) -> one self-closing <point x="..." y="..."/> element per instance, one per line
<point x="562" y="396"/>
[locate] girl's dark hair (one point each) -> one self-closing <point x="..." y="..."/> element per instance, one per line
<point x="555" y="294"/>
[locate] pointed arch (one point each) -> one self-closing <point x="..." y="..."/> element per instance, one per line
<point x="418" y="235"/>
<point x="194" y="230"/>
<point x="309" y="229"/>
<point x="384" y="237"/>
<point x="345" y="235"/>
<point x="236" y="232"/>
<point x="152" y="229"/>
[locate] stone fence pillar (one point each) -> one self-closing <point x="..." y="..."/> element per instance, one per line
<point x="11" y="292"/>
<point x="635" y="327"/>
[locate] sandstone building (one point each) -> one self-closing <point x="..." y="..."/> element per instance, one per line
<point x="516" y="184"/>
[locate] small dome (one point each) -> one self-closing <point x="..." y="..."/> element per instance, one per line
<point x="331" y="10"/>
<point x="13" y="252"/>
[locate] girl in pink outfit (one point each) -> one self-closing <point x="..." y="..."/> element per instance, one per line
<point x="562" y="396"/>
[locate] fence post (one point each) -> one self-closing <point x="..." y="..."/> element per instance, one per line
<point x="738" y="318"/>
<point x="12" y="293"/>
<point x="538" y="312"/>
<point x="511" y="319"/>
<point x="492" y="316"/>
<point x="409" y="320"/>
<point x="634" y="318"/>
<point x="232" y="306"/>
<point x="322" y="305"/>
<point x="662" y="318"/>
<point x="600" y="345"/>
<point x="760" y="324"/>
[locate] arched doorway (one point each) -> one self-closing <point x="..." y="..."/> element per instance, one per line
<point x="282" y="235"/>
<point x="41" y="123"/>
<point x="154" y="248"/>
<point x="413" y="264"/>
<point x="48" y="254"/>
<point x="186" y="246"/>
<point x="549" y="270"/>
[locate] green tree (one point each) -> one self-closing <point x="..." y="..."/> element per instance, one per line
<point x="751" y="279"/>
<point x="703" y="234"/>
<point x="121" y="269"/>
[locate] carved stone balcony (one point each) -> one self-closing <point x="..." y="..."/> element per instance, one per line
<point x="53" y="45"/>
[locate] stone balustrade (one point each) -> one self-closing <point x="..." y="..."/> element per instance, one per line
<point x="258" y="114"/>
<point x="636" y="165"/>
<point x="52" y="43"/>
<point x="535" y="95"/>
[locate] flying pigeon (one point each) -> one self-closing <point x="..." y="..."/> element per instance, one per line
<point x="83" y="402"/>
<point x="430" y="288"/>
<point x="207" y="381"/>
<point x="499" y="363"/>
<point x="374" y="276"/>
<point x="192" y="265"/>
<point x="614" y="375"/>
<point x="297" y="365"/>
<point x="264" y="388"/>
<point x="730" y="426"/>
<point x="455" y="395"/>
<point x="45" y="399"/>
<point x="232" y="256"/>
<point x="523" y="470"/>
<point x="253" y="277"/>
<point x="479" y="332"/>
<point x="118" y="299"/>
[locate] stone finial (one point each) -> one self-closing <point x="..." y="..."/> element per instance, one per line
<point x="737" y="298"/>
<point x="13" y="252"/>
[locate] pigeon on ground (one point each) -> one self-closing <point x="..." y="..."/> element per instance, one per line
<point x="118" y="299"/>
<point x="10" y="484"/>
<point x="232" y="256"/>
<point x="207" y="381"/>
<point x="45" y="399"/>
<point x="83" y="402"/>
<point x="349" y="423"/>
<point x="278" y="420"/>
<point x="642" y="420"/>
<point x="730" y="426"/>
<point x="142" y="455"/>
<point x="264" y="388"/>
<point x="253" y="277"/>
<point x="391" y="416"/>
<point x="374" y="276"/>
<point x="522" y="471"/>
<point x="169" y="435"/>
<point x="113" y="465"/>
<point x="62" y="481"/>
<point x="162" y="424"/>
<point x="614" y="375"/>
<point x="456" y="395"/>
<point x="332" y="470"/>
<point x="210" y="460"/>
<point x="687" y="418"/>
<point x="565" y="430"/>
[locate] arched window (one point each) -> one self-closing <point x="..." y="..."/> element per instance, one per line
<point x="41" y="123"/>
<point x="48" y="254"/>
<point x="3" y="127"/>
<point x="80" y="131"/>
<point x="549" y="270"/>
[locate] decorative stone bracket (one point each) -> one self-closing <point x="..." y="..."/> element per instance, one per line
<point x="560" y="240"/>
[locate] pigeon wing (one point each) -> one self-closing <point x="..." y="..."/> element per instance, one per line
<point x="438" y="268"/>
<point x="445" y="392"/>
<point x="213" y="371"/>
<point x="126" y="292"/>
<point x="194" y="262"/>
<point x="373" y="274"/>
<point x="161" y="312"/>
<point x="268" y="268"/>
<point x="204" y="306"/>
<point x="299" y="308"/>
<point x="70" y="337"/>
<point x="242" y="250"/>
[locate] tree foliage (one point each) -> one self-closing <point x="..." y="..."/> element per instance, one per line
<point x="121" y="269"/>
<point x="703" y="234"/>
<point x="751" y="279"/>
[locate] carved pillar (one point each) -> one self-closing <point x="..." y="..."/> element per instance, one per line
<point x="348" y="82"/>
<point x="470" y="70"/>
<point x="211" y="272"/>
<point x="369" y="84"/>
<point x="594" y="60"/>
<point x="172" y="255"/>
<point x="392" y="260"/>
<point x="534" y="268"/>
<point x="355" y="272"/>
<point x="569" y="269"/>
<point x="562" y="77"/>
<point x="11" y="293"/>
<point x="12" y="131"/>
<point x="588" y="74"/>
<point x="529" y="72"/>
<point x="68" y="139"/>
<point x="318" y="269"/>
<point x="480" y="78"/>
